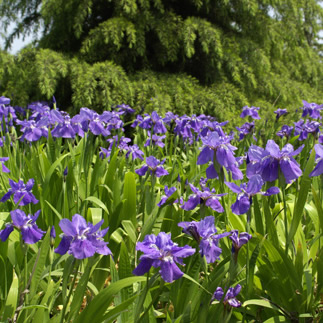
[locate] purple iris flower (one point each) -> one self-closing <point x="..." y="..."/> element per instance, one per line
<point x="211" y="125"/>
<point x="4" y="168"/>
<point x="124" y="108"/>
<point x="135" y="152"/>
<point x="68" y="127"/>
<point x="238" y="240"/>
<point x="252" y="112"/>
<point x="120" y="143"/>
<point x="313" y="110"/>
<point x="168" y="193"/>
<point x="275" y="158"/>
<point x="154" y="166"/>
<point x="112" y="120"/>
<point x="304" y="128"/>
<point x="8" y="113"/>
<point x="32" y="130"/>
<point x="230" y="296"/>
<point x="220" y="147"/>
<point x="318" y="170"/>
<point x="285" y="131"/>
<point x="280" y="112"/>
<point x="204" y="233"/>
<point x="161" y="251"/>
<point x="21" y="190"/>
<point x="39" y="110"/>
<point x="156" y="140"/>
<point x="26" y="224"/>
<point x="183" y="128"/>
<point x="138" y="120"/>
<point x="245" y="129"/>
<point x="153" y="121"/>
<point x="82" y="239"/>
<point x="4" y="100"/>
<point x="169" y="117"/>
<point x="267" y="162"/>
<point x="206" y="196"/>
<point x="96" y="122"/>
<point x="246" y="191"/>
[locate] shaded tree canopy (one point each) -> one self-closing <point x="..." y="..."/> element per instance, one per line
<point x="186" y="56"/>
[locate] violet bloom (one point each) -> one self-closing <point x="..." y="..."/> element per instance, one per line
<point x="121" y="144"/>
<point x="245" y="129"/>
<point x="252" y="112"/>
<point x="209" y="124"/>
<point x="169" y="117"/>
<point x="161" y="251"/>
<point x="156" y="140"/>
<point x="274" y="158"/>
<point x="26" y="224"/>
<point x="219" y="147"/>
<point x="112" y="120"/>
<point x="153" y="121"/>
<point x="246" y="191"/>
<point x="168" y="193"/>
<point x="154" y="166"/>
<point x="68" y="127"/>
<point x="318" y="170"/>
<point x="206" y="196"/>
<point x="313" y="110"/>
<point x="7" y="113"/>
<point x="238" y="240"/>
<point x="82" y="239"/>
<point x="135" y="152"/>
<point x="267" y="162"/>
<point x="96" y="122"/>
<point x="21" y="190"/>
<point x="4" y="100"/>
<point x="280" y="112"/>
<point x="4" y="168"/>
<point x="39" y="110"/>
<point x="32" y="130"/>
<point x="230" y="296"/>
<point x="183" y="128"/>
<point x="124" y="108"/>
<point x="304" y="128"/>
<point x="204" y="233"/>
<point x="285" y="131"/>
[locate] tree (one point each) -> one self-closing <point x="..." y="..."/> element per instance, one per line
<point x="187" y="56"/>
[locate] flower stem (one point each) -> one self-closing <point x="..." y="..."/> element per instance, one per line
<point x="70" y="292"/>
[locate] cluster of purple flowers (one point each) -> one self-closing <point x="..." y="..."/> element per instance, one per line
<point x="122" y="144"/>
<point x="62" y="125"/>
<point x="83" y="239"/>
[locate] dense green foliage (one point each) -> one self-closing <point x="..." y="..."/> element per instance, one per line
<point x="185" y="56"/>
